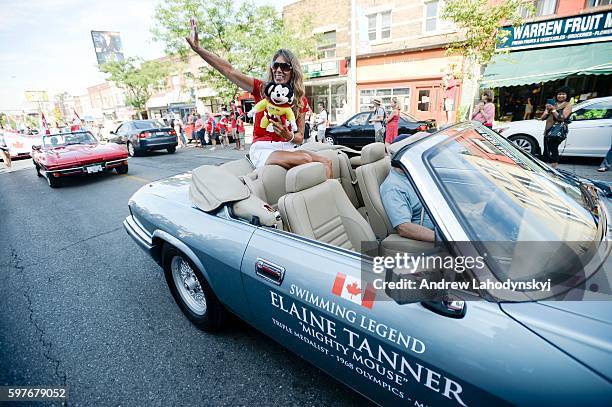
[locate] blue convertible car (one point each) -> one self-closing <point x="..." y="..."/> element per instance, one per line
<point x="295" y="255"/>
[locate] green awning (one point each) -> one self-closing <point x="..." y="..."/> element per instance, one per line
<point x="542" y="65"/>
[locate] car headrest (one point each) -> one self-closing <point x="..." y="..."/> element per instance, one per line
<point x="305" y="176"/>
<point x="212" y="186"/>
<point x="395" y="147"/>
<point x="372" y="153"/>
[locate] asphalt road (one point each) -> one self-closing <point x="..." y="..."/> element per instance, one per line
<point x="81" y="305"/>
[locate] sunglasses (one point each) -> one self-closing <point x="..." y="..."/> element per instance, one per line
<point x="284" y="66"/>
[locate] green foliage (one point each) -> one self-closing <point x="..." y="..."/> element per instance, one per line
<point x="481" y="22"/>
<point x="593" y="114"/>
<point x="246" y="36"/>
<point x="138" y="78"/>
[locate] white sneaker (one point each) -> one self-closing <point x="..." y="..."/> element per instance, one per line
<point x="213" y="148"/>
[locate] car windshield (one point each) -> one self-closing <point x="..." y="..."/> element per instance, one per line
<point x="148" y="124"/>
<point x="407" y="117"/>
<point x="515" y="208"/>
<point x="59" y="140"/>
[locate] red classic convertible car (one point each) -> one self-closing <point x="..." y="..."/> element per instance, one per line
<point x="62" y="155"/>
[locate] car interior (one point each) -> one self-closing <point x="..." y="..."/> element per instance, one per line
<point x="343" y="211"/>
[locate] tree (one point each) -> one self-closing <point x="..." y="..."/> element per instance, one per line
<point x="247" y="36"/>
<point x="137" y="78"/>
<point x="480" y="22"/>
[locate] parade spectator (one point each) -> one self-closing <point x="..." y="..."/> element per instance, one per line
<point x="485" y="110"/>
<point x="528" y="109"/>
<point x="607" y="162"/>
<point x="233" y="125"/>
<point x="392" y="123"/>
<point x="307" y="131"/>
<point x="224" y="129"/>
<point x="321" y="122"/>
<point x="277" y="147"/>
<point x="198" y="129"/>
<point x="240" y="128"/>
<point x="210" y="129"/>
<point x="189" y="127"/>
<point x="5" y="153"/>
<point x="449" y="84"/>
<point x="379" y="116"/>
<point x="177" y="124"/>
<point x="556" y="115"/>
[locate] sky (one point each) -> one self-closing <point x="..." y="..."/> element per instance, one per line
<point x="47" y="45"/>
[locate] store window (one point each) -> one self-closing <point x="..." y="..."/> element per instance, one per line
<point x="424" y="100"/>
<point x="327" y="45"/>
<point x="385" y="95"/>
<point x="597" y="3"/>
<point x="540" y="8"/>
<point x="333" y="97"/>
<point x="379" y="26"/>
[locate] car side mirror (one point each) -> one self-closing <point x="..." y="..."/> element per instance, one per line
<point x="37" y="148"/>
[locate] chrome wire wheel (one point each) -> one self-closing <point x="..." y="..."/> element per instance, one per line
<point x="130" y="148"/>
<point x="188" y="285"/>
<point x="329" y="140"/>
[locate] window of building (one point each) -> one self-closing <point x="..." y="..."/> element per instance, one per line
<point x="385" y="95"/>
<point x="433" y="17"/>
<point x="597" y="3"/>
<point x="379" y="26"/>
<point x="327" y="46"/>
<point x="540" y="8"/>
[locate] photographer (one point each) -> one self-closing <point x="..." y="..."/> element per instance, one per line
<point x="555" y="131"/>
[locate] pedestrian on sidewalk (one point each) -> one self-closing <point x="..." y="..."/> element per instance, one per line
<point x="240" y="128"/>
<point x="556" y="116"/>
<point x="321" y="122"/>
<point x="177" y="125"/>
<point x="224" y="129"/>
<point x="392" y="123"/>
<point x="607" y="162"/>
<point x="378" y="119"/>
<point x="307" y="118"/>
<point x="189" y="128"/>
<point x="528" y="109"/>
<point x="485" y="109"/>
<point x="5" y="153"/>
<point x="449" y="85"/>
<point x="210" y="129"/>
<point x="199" y="132"/>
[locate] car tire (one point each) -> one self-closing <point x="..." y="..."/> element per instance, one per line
<point x="329" y="140"/>
<point x="171" y="150"/>
<point x="53" y="182"/>
<point x="525" y="143"/>
<point x="132" y="152"/>
<point x="122" y="169"/>
<point x="191" y="291"/>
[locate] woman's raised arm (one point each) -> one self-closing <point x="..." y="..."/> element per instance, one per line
<point x="225" y="68"/>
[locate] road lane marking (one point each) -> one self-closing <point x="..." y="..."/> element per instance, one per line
<point x="134" y="177"/>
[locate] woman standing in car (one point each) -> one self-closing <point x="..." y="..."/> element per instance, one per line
<point x="556" y="114"/>
<point x="277" y="147"/>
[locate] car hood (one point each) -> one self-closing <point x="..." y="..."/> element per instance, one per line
<point x="582" y="329"/>
<point x="85" y="153"/>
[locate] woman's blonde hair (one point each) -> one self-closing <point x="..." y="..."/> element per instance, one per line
<point x="398" y="105"/>
<point x="297" y="78"/>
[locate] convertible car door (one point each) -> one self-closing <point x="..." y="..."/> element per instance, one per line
<point x="308" y="297"/>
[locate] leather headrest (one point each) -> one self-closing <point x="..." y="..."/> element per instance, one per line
<point x="372" y="153"/>
<point x="305" y="176"/>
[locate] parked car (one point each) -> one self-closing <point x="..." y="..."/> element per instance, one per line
<point x="358" y="131"/>
<point x="145" y="135"/>
<point x="297" y="275"/>
<point x="590" y="132"/>
<point x="76" y="153"/>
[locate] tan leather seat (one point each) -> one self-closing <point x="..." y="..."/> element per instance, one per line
<point x="268" y="183"/>
<point x="342" y="171"/>
<point x="318" y="208"/>
<point x="375" y="167"/>
<point x="238" y="167"/>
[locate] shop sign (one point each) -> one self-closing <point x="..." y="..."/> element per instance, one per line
<point x="318" y="69"/>
<point x="574" y="29"/>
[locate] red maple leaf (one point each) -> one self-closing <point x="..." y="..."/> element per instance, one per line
<point x="353" y="289"/>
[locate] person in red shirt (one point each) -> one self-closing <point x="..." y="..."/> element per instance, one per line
<point x="240" y="131"/>
<point x="224" y="129"/>
<point x="210" y="130"/>
<point x="277" y="147"/>
<point x="198" y="128"/>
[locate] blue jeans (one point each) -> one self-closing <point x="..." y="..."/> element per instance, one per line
<point x="607" y="162"/>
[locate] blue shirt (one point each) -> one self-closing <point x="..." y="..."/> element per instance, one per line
<point x="401" y="201"/>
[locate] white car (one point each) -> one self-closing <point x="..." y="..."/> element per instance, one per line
<point x="590" y="132"/>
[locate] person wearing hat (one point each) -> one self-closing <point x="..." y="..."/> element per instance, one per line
<point x="378" y="117"/>
<point x="557" y="113"/>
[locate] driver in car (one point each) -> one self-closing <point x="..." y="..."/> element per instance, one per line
<point x="404" y="208"/>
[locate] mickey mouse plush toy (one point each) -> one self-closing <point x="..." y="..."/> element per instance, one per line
<point x="277" y="104"/>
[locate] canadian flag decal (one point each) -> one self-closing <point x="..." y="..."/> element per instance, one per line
<point x="349" y="287"/>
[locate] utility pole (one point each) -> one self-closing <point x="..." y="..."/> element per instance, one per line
<point x="352" y="82"/>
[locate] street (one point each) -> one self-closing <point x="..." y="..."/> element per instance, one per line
<point x="82" y="306"/>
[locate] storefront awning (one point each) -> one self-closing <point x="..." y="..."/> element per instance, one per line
<point x="543" y="65"/>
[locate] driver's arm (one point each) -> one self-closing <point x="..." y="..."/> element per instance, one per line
<point x="415" y="232"/>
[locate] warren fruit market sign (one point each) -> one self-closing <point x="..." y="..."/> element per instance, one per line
<point x="568" y="30"/>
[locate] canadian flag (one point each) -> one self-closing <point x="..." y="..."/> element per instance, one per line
<point x="76" y="119"/>
<point x="349" y="287"/>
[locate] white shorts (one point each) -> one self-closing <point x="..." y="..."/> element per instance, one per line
<point x="449" y="105"/>
<point x="261" y="150"/>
